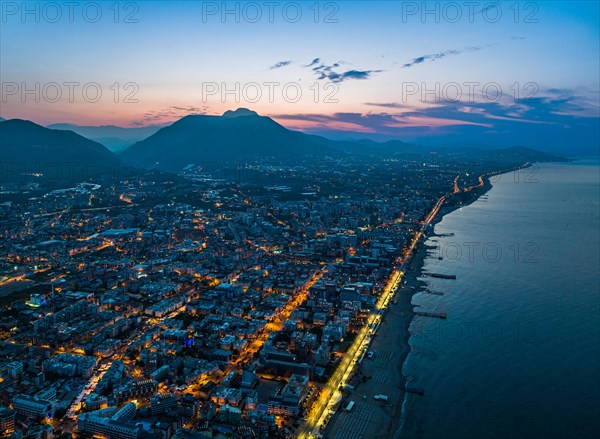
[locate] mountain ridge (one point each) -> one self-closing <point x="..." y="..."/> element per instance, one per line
<point x="197" y="139"/>
<point x="59" y="155"/>
<point x="237" y="135"/>
<point x="114" y="137"/>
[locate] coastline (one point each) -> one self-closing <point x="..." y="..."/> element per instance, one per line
<point x="414" y="286"/>
<point x="384" y="372"/>
<point x="417" y="417"/>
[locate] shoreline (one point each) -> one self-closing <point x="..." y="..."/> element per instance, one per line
<point x="383" y="420"/>
<point x="442" y="366"/>
<point x="412" y="280"/>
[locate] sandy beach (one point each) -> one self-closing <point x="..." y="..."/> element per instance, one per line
<point x="382" y="374"/>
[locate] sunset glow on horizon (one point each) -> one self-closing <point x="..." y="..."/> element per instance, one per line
<point x="385" y="68"/>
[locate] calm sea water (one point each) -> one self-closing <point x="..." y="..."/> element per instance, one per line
<point x="519" y="353"/>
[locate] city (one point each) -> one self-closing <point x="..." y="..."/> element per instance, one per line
<point x="238" y="300"/>
<point x="300" y="219"/>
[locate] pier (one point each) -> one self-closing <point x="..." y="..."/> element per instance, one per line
<point x="441" y="276"/>
<point x="415" y="390"/>
<point x="439" y="315"/>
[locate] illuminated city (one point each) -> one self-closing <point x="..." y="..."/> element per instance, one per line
<point x="336" y="257"/>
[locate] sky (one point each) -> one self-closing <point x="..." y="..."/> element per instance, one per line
<point x="481" y="73"/>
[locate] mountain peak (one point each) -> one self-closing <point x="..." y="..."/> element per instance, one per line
<point x="240" y="112"/>
<point x="236" y="136"/>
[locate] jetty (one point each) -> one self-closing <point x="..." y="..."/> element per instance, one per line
<point x="415" y="390"/>
<point x="439" y="315"/>
<point x="441" y="276"/>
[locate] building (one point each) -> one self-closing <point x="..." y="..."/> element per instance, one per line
<point x="43" y="431"/>
<point x="136" y="390"/>
<point x="14" y="369"/>
<point x="162" y="403"/>
<point x="71" y="365"/>
<point x="111" y="423"/>
<point x="322" y="355"/>
<point x="288" y="400"/>
<point x="126" y="413"/>
<point x="7" y="420"/>
<point x="230" y="415"/>
<point x="32" y="407"/>
<point x="95" y="401"/>
<point x="227" y="395"/>
<point x="160" y="373"/>
<point x="113" y="376"/>
<point x="188" y="406"/>
<point x="47" y="394"/>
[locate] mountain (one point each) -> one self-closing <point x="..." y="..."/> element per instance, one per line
<point x="236" y="136"/>
<point x="399" y="149"/>
<point x="52" y="155"/>
<point x="243" y="134"/>
<point x="31" y="152"/>
<point x="513" y="154"/>
<point x="113" y="137"/>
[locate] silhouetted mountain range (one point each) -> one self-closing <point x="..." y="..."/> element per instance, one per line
<point x="115" y="138"/>
<point x="244" y="135"/>
<point x="236" y="136"/>
<point x="28" y="148"/>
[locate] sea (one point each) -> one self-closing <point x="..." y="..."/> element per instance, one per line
<point x="518" y="355"/>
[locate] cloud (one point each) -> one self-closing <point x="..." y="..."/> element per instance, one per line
<point x="326" y="72"/>
<point x="545" y="121"/>
<point x="386" y="104"/>
<point x="517" y="119"/>
<point x="349" y="74"/>
<point x="563" y="121"/>
<point x="313" y="62"/>
<point x="391" y="124"/>
<point x="579" y="103"/>
<point x="168" y="114"/>
<point x="314" y="122"/>
<point x="280" y="64"/>
<point x="436" y="56"/>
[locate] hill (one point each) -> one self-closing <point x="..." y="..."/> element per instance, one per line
<point x="31" y="151"/>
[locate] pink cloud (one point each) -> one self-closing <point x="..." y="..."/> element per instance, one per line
<point x="337" y="125"/>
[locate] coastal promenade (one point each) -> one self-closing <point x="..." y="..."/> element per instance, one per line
<point x="326" y="403"/>
<point x="388" y="339"/>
